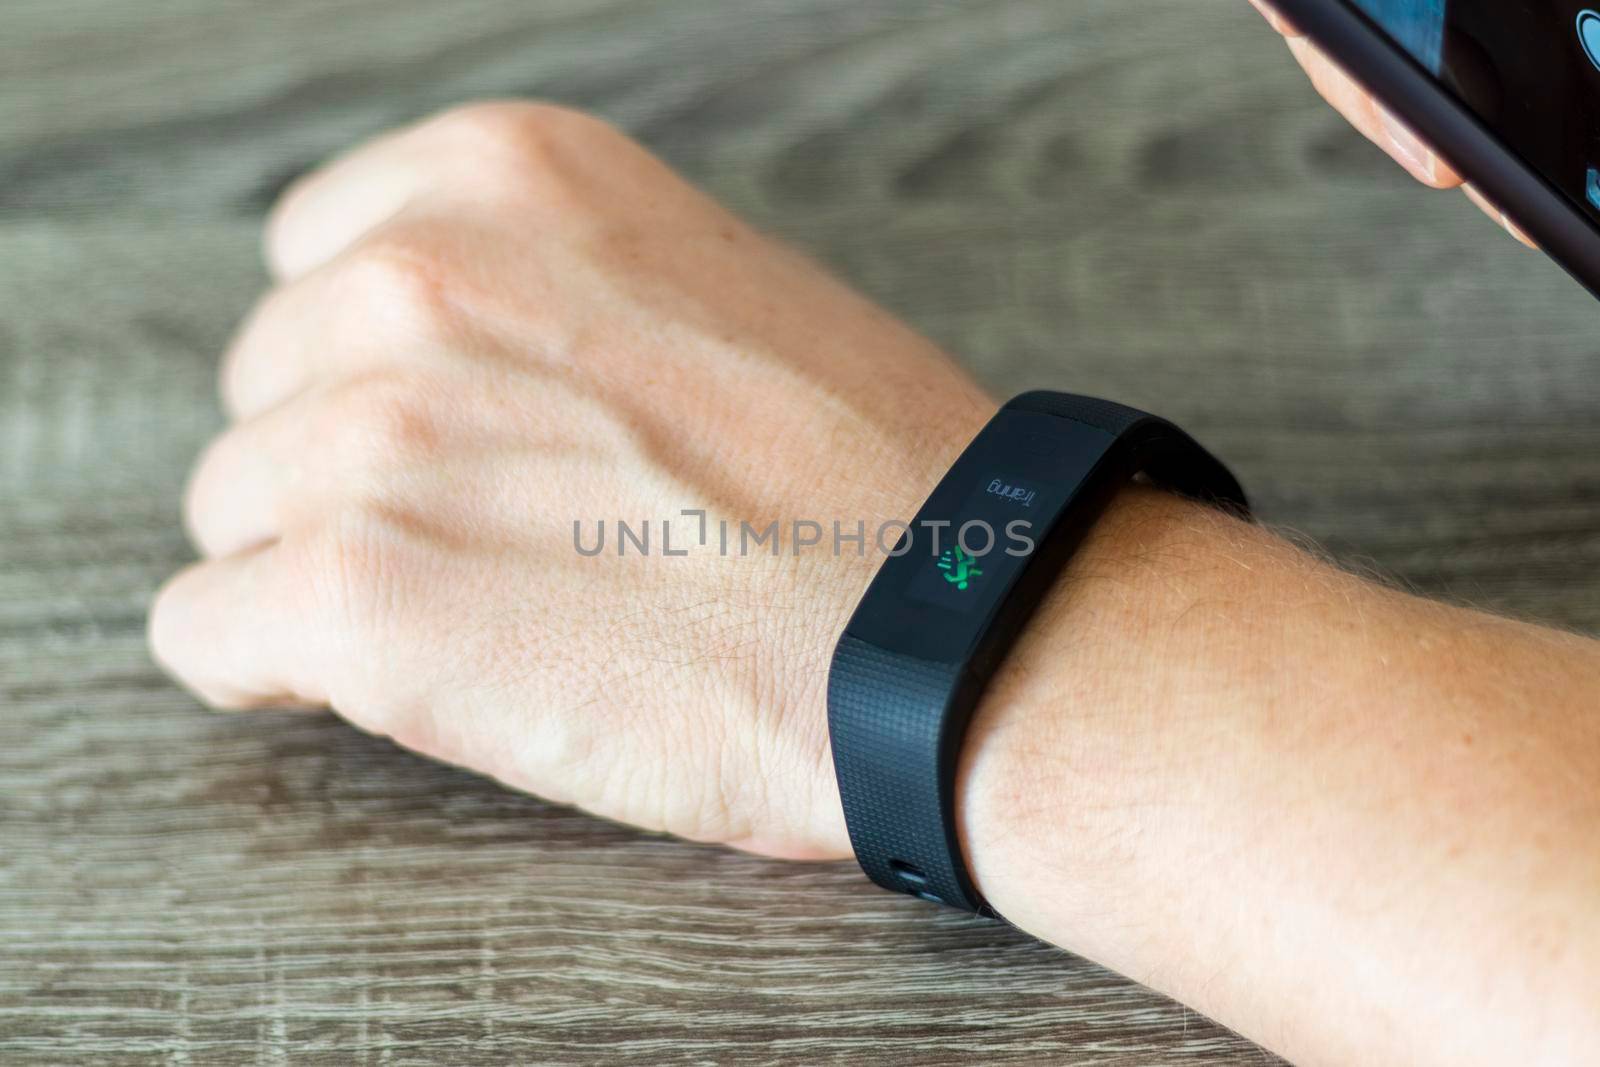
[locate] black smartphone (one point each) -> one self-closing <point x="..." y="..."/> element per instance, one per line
<point x="1507" y="91"/>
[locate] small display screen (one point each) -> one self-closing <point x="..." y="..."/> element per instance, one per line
<point x="1529" y="69"/>
<point x="978" y="534"/>
<point x="964" y="566"/>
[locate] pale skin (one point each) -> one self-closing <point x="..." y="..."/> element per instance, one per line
<point x="1354" y="825"/>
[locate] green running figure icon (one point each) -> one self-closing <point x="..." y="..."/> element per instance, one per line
<point x="958" y="567"/>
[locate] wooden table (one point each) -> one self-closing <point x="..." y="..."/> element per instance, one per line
<point x="1141" y="200"/>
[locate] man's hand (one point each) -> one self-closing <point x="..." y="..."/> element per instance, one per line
<point x="490" y="326"/>
<point x="1377" y="123"/>
<point x="1280" y="793"/>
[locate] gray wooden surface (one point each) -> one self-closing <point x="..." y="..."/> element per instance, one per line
<point x="1137" y="199"/>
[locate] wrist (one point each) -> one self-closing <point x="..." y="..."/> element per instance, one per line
<point x="1070" y="756"/>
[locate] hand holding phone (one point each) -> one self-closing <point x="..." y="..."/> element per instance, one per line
<point x="1377" y="122"/>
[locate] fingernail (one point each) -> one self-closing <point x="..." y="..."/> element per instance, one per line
<point x="1405" y="144"/>
<point x="1275" y="20"/>
<point x="1517" y="231"/>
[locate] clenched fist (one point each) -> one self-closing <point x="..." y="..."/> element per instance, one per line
<point x="492" y="326"/>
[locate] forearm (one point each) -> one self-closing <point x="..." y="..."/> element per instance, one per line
<point x="1355" y="825"/>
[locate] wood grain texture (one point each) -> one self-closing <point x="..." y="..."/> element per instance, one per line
<point x="1140" y="200"/>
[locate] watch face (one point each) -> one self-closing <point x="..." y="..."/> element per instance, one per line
<point x="965" y="566"/>
<point x="974" y="539"/>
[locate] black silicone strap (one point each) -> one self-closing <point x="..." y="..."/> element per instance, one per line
<point x="931" y="628"/>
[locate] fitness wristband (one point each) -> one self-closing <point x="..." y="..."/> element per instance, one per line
<point x="948" y="603"/>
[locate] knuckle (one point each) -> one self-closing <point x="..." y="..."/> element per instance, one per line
<point x="380" y="420"/>
<point x="346" y="570"/>
<point x="526" y="139"/>
<point x="399" y="285"/>
<point x="493" y="125"/>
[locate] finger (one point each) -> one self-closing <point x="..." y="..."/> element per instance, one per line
<point x="227" y="630"/>
<point x="455" y="157"/>
<point x="292" y="330"/>
<point x="237" y="496"/>
<point x="329" y="209"/>
<point x="1277" y="21"/>
<point x="1380" y="126"/>
<point x="1372" y="119"/>
<point x="357" y="439"/>
<point x="344" y="319"/>
<point x="399" y="297"/>
<point x="1497" y="215"/>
